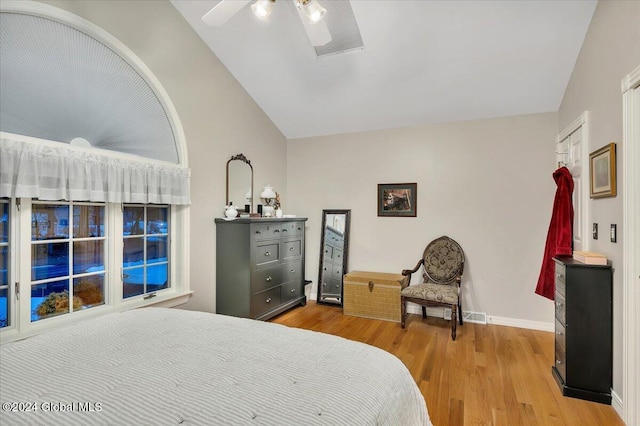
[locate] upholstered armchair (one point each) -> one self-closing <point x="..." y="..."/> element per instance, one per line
<point x="443" y="262"/>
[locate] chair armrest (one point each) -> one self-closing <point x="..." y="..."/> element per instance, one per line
<point x="408" y="272"/>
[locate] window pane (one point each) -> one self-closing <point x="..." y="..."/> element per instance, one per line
<point x="133" y="253"/>
<point x="51" y="299"/>
<point x="4" y="222"/>
<point x="49" y="222"/>
<point x="157" y="277"/>
<point x="49" y="260"/>
<point x="157" y="220"/>
<point x="4" y="307"/>
<point x="90" y="290"/>
<point x="133" y="221"/>
<point x="88" y="221"/>
<point x="132" y="282"/>
<point x="4" y="265"/>
<point x="88" y="256"/>
<point x="156" y="249"/>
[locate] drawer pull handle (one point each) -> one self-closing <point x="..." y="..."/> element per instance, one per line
<point x="267" y="253"/>
<point x="559" y="275"/>
<point x="370" y="286"/>
<point x="284" y="230"/>
<point x="276" y="230"/>
<point x="559" y="333"/>
<point x="559" y="304"/>
<point x="268" y="300"/>
<point x="269" y="279"/>
<point x="558" y="362"/>
<point x="293" y="290"/>
<point x="293" y="271"/>
<point x="290" y="248"/>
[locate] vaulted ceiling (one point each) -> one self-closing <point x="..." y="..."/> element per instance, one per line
<point x="423" y="62"/>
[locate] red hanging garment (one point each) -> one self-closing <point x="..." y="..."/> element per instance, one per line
<point x="560" y="234"/>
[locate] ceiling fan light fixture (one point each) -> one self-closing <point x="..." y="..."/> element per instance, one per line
<point x="314" y="11"/>
<point x="263" y="8"/>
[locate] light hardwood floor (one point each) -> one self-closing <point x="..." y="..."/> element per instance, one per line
<point x="491" y="375"/>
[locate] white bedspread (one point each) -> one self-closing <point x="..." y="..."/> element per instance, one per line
<point x="157" y="366"/>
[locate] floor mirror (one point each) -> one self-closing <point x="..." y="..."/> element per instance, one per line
<point x="334" y="248"/>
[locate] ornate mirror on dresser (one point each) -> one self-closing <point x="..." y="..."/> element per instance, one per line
<point x="334" y="247"/>
<point x="240" y="183"/>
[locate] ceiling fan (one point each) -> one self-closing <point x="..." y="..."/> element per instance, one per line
<point x="310" y="11"/>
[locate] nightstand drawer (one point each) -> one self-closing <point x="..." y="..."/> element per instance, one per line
<point x="560" y="274"/>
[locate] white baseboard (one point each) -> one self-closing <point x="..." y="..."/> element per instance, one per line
<point x="616" y="403"/>
<point x="520" y="323"/>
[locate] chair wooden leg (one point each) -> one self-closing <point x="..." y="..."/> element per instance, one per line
<point x="453" y="321"/>
<point x="460" y="312"/>
<point x="403" y="312"/>
<point x="424" y="312"/>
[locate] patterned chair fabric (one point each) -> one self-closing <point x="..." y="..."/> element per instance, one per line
<point x="443" y="265"/>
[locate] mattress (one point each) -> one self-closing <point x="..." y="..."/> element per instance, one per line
<point x="157" y="366"/>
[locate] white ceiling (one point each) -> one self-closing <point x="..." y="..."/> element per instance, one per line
<point x="423" y="62"/>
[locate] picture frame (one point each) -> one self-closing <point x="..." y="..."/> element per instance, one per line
<point x="397" y="199"/>
<point x="602" y="171"/>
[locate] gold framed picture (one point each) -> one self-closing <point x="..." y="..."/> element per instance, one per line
<point x="602" y="171"/>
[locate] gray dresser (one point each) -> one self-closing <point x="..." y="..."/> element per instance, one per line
<point x="259" y="266"/>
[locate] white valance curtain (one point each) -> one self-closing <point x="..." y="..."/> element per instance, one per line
<point x="57" y="171"/>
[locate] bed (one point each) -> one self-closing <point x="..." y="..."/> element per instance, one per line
<point x="157" y="366"/>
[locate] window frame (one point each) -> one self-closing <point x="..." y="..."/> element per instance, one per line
<point x="20" y="229"/>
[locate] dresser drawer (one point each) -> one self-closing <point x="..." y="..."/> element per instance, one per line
<point x="291" y="249"/>
<point x="292" y="272"/>
<point x="560" y="274"/>
<point x="561" y="309"/>
<point x="266" y="231"/>
<point x="265" y="278"/>
<point x="292" y="228"/>
<point x="290" y="290"/>
<point x="265" y="301"/>
<point x="266" y="253"/>
<point x="560" y="350"/>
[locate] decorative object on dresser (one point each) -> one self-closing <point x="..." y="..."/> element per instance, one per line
<point x="590" y="257"/>
<point x="373" y="295"/>
<point x="584" y="330"/>
<point x="602" y="171"/>
<point x="259" y="266"/>
<point x="334" y="250"/>
<point x="397" y="199"/>
<point x="268" y="195"/>
<point x="239" y="178"/>
<point x="443" y="262"/>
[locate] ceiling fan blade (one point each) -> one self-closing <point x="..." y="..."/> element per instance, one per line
<point x="318" y="33"/>
<point x="223" y="11"/>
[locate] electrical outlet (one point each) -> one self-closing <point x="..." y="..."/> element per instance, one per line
<point x="614" y="233"/>
<point x="595" y="231"/>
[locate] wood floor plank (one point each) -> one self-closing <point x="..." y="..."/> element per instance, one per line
<point x="490" y="375"/>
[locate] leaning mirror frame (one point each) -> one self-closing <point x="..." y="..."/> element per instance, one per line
<point x="240" y="157"/>
<point x="334" y="249"/>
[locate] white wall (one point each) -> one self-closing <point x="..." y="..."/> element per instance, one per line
<point x="610" y="51"/>
<point x="487" y="184"/>
<point x="218" y="116"/>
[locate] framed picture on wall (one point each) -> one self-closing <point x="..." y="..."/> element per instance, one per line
<point x="602" y="171"/>
<point x="397" y="199"/>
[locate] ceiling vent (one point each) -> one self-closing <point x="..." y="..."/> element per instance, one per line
<point x="342" y="25"/>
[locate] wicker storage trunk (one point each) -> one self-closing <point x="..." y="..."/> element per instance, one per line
<point x="373" y="295"/>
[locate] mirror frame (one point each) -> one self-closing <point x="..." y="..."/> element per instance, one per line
<point x="345" y="254"/>
<point x="240" y="157"/>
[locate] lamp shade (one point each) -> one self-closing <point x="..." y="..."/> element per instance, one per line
<point x="268" y="192"/>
